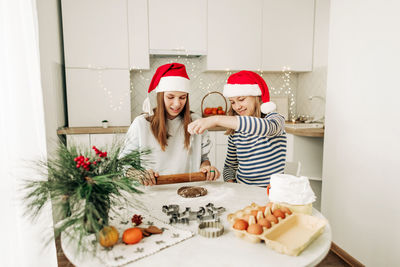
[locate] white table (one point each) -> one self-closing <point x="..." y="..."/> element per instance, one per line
<point x="226" y="250"/>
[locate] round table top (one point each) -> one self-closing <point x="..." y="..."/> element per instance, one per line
<point x="226" y="250"/>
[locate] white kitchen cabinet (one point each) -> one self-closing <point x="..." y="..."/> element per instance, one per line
<point x="307" y="150"/>
<point x="218" y="151"/>
<point x="96" y="95"/>
<point x="138" y="34"/>
<point x="106" y="141"/>
<point x="95" y="33"/>
<point x="211" y="155"/>
<point x="234" y="35"/>
<point x="81" y="141"/>
<point x="288" y="31"/>
<point x="178" y="27"/>
<point x="86" y="141"/>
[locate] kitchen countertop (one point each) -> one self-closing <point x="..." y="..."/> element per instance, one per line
<point x="109" y="130"/>
<point x="310" y="132"/>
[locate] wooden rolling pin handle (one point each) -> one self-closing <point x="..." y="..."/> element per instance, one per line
<point x="181" y="178"/>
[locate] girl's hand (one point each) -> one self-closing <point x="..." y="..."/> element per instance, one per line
<point x="150" y="178"/>
<point x="212" y="172"/>
<point x="200" y="125"/>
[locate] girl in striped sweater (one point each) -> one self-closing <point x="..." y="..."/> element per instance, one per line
<point x="257" y="140"/>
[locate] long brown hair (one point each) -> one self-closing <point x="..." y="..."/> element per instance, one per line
<point x="257" y="113"/>
<point x="159" y="122"/>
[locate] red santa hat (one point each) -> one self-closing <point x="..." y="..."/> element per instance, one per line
<point x="248" y="83"/>
<point x="168" y="77"/>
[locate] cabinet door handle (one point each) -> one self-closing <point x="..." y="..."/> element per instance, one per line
<point x="178" y="49"/>
<point x="94" y="67"/>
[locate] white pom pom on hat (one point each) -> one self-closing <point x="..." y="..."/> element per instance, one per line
<point x="248" y="83"/>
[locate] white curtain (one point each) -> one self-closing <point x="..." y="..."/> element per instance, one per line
<point x="22" y="136"/>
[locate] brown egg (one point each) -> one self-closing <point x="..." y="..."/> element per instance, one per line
<point x="264" y="222"/>
<point x="255" y="229"/>
<point x="279" y="213"/>
<point x="286" y="210"/>
<point x="240" y="224"/>
<point x="254" y="213"/>
<point x="271" y="218"/>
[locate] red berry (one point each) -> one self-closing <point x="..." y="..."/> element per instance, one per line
<point x="137" y="219"/>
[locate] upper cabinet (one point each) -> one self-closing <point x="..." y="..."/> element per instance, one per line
<point x="267" y="35"/>
<point x="95" y="33"/>
<point x="234" y="34"/>
<point x="288" y="31"/>
<point x="96" y="95"/>
<point x="178" y="27"/>
<point x="138" y="34"/>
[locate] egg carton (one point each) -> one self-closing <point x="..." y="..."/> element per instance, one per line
<point x="290" y="235"/>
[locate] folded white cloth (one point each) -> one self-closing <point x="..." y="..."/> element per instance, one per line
<point x="291" y="189"/>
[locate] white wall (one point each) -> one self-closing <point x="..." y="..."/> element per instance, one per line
<point x="51" y="66"/>
<point x="360" y="192"/>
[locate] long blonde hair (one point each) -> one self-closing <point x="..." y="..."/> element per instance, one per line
<point x="257" y="113"/>
<point x="158" y="122"/>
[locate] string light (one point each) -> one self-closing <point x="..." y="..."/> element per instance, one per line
<point x="108" y="93"/>
<point x="206" y="82"/>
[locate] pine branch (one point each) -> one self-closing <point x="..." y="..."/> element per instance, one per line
<point x="84" y="186"/>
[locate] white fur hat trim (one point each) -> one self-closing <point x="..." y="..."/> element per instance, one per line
<point x="173" y="83"/>
<point x="233" y="90"/>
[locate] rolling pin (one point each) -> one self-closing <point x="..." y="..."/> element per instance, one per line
<point x="181" y="178"/>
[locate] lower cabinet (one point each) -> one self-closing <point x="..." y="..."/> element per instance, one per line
<point x="218" y="151"/>
<point x="101" y="141"/>
<point x="309" y="151"/>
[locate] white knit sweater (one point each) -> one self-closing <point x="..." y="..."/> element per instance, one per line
<point x="176" y="158"/>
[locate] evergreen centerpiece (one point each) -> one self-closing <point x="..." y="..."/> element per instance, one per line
<point x="84" y="187"/>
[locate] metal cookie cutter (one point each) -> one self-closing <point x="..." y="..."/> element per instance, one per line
<point x="211" y="229"/>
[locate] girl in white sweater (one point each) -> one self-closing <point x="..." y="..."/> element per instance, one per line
<point x="164" y="129"/>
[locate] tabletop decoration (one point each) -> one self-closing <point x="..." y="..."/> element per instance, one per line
<point x="85" y="186"/>
<point x="135" y="245"/>
<point x="282" y="230"/>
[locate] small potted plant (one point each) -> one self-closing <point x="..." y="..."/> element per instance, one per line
<point x="104" y="123"/>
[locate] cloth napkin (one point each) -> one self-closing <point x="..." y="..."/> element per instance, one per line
<point x="121" y="254"/>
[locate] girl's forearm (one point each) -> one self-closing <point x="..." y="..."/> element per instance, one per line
<point x="230" y="122"/>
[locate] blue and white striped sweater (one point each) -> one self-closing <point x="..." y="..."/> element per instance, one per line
<point x="256" y="150"/>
